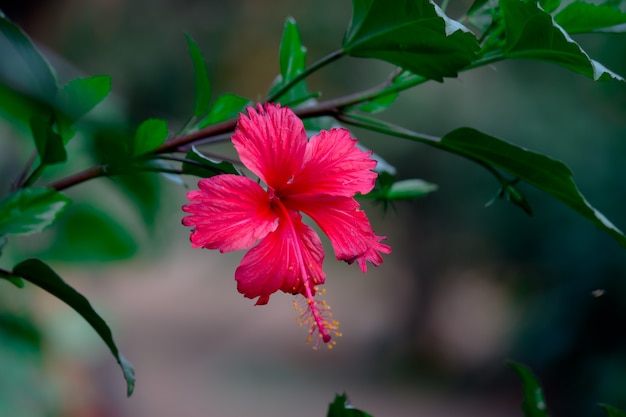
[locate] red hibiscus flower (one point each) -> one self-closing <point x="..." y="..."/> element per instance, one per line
<point x="318" y="177"/>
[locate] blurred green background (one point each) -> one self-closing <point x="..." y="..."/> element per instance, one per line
<point x="427" y="333"/>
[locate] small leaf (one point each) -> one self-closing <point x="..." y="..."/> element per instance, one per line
<point x="612" y="411"/>
<point x="79" y="96"/>
<point x="512" y="194"/>
<point x="413" y="34"/>
<point x="30" y="210"/>
<point x="226" y="107"/>
<point x="206" y="167"/>
<point x="40" y="274"/>
<point x="203" y="84"/>
<point x="534" y="404"/>
<point x="151" y="134"/>
<point x="292" y="62"/>
<point x="17" y="281"/>
<point x="531" y="33"/>
<point x="547" y="174"/>
<point x="410" y="189"/>
<point x="49" y="144"/>
<point x="341" y="407"/>
<point x="581" y="17"/>
<point x="377" y="104"/>
<point x="29" y="69"/>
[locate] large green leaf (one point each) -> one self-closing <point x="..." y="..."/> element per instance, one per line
<point x="150" y="134"/>
<point x="292" y="57"/>
<point x="18" y="107"/>
<point x="531" y="33"/>
<point x="341" y="407"/>
<point x="201" y="75"/>
<point x="30" y="210"/>
<point x="22" y="64"/>
<point x="40" y="274"/>
<point x="581" y="17"/>
<point x="534" y="404"/>
<point x="547" y="174"/>
<point x="226" y="107"/>
<point x="49" y="144"/>
<point x="413" y="34"/>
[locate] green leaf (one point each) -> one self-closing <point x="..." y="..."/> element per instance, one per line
<point x="40" y="274"/>
<point x="226" y="107"/>
<point x="49" y="144"/>
<point x="203" y="84"/>
<point x="547" y="174"/>
<point x="17" y="281"/>
<point x="378" y="104"/>
<point x="581" y="17"/>
<point x="341" y="407"/>
<point x="410" y="189"/>
<point x="292" y="62"/>
<point x="112" y="146"/>
<point x="85" y="234"/>
<point x="534" y="404"/>
<point x="30" y="210"/>
<point x="17" y="107"/>
<point x="413" y="34"/>
<point x="23" y="64"/>
<point x="531" y="33"/>
<point x="79" y="96"/>
<point x="549" y="5"/>
<point x="612" y="411"/>
<point x="206" y="167"/>
<point x="512" y="194"/>
<point x="151" y="134"/>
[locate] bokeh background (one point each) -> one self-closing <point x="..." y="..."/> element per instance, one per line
<point x="466" y="288"/>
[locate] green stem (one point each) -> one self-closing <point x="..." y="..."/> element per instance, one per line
<point x="444" y="5"/>
<point x="486" y="60"/>
<point x="333" y="56"/>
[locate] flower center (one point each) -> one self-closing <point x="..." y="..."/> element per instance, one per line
<point x="316" y="313"/>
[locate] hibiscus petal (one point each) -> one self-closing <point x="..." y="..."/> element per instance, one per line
<point x="334" y="165"/>
<point x="229" y="212"/>
<point x="346" y="225"/>
<point x="276" y="263"/>
<point x="271" y="142"/>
